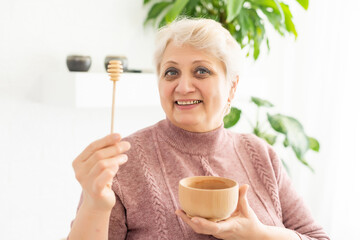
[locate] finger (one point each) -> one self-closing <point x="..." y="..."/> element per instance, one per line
<point x="98" y="144"/>
<point x="205" y="226"/>
<point x="185" y="218"/>
<point x="112" y="164"/>
<point x="198" y="224"/>
<point x="108" y="152"/>
<point x="104" y="180"/>
<point x="243" y="205"/>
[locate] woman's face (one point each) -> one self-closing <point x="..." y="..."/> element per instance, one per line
<point x="193" y="89"/>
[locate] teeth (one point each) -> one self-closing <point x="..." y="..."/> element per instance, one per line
<point x="188" y="102"/>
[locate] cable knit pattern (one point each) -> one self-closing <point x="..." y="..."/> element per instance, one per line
<point x="263" y="173"/>
<point x="157" y="203"/>
<point x="206" y="167"/>
<point x="161" y="155"/>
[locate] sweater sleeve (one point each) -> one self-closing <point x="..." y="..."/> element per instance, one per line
<point x="296" y="215"/>
<point x="117" y="224"/>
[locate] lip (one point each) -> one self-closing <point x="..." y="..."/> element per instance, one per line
<point x="186" y="107"/>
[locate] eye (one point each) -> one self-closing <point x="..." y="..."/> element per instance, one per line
<point x="171" y="72"/>
<point x="202" y="71"/>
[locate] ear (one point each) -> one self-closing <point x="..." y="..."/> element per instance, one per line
<point x="233" y="89"/>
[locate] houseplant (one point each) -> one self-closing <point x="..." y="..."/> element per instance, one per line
<point x="276" y="127"/>
<point x="247" y="21"/>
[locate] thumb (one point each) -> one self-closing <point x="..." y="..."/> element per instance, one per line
<point x="243" y="205"/>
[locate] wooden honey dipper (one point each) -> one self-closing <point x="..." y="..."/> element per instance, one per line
<point x="115" y="69"/>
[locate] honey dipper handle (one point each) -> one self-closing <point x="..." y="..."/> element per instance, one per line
<point x="113" y="107"/>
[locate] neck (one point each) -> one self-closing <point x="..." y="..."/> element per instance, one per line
<point x="198" y="128"/>
<point x="192" y="141"/>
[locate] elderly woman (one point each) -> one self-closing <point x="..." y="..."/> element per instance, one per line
<point x="131" y="192"/>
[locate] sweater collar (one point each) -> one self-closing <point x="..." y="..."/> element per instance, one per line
<point x="193" y="142"/>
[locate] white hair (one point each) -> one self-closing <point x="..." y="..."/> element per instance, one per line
<point x="204" y="34"/>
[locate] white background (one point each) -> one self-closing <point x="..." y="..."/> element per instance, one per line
<point x="314" y="79"/>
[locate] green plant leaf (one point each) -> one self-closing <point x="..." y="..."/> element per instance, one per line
<point x="303" y="161"/>
<point x="175" y="10"/>
<point x="274" y="18"/>
<point x="294" y="132"/>
<point x="232" y="118"/>
<point x="257" y="132"/>
<point x="259" y="33"/>
<point x="274" y="13"/>
<point x="189" y="9"/>
<point x="280" y="10"/>
<point x="256" y="48"/>
<point x="270" y="138"/>
<point x="314" y="144"/>
<point x="233" y="9"/>
<point x="286" y="142"/>
<point x="247" y="27"/>
<point x="273" y="5"/>
<point x="286" y="167"/>
<point x="304" y="3"/>
<point x="162" y="23"/>
<point x="261" y="102"/>
<point x="231" y="28"/>
<point x="264" y="3"/>
<point x="156" y="9"/>
<point x="290" y="27"/>
<point x="252" y="29"/>
<point x="146" y="1"/>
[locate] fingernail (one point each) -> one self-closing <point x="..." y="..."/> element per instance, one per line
<point x="124" y="159"/>
<point x="116" y="136"/>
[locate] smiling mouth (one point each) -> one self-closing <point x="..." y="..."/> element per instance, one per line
<point x="186" y="103"/>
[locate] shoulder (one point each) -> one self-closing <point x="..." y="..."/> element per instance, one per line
<point x="250" y="142"/>
<point x="260" y="153"/>
<point x="265" y="165"/>
<point x="248" y="138"/>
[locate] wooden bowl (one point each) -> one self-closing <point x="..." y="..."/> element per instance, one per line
<point x="213" y="198"/>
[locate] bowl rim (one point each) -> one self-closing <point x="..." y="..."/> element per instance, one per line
<point x="181" y="183"/>
<point x="77" y="56"/>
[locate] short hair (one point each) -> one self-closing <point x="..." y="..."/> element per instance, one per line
<point x="204" y="34"/>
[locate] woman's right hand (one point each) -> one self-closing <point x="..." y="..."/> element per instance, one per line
<point x="95" y="169"/>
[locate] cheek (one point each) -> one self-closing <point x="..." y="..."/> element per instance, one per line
<point x="219" y="97"/>
<point x="164" y="91"/>
<point x="216" y="91"/>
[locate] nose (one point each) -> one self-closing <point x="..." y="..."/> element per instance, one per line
<point x="185" y="85"/>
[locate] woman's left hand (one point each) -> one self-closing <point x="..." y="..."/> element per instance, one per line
<point x="242" y="224"/>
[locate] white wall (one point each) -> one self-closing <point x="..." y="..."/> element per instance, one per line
<point x="313" y="79"/>
<point x="316" y="80"/>
<point x="38" y="142"/>
<point x="36" y="37"/>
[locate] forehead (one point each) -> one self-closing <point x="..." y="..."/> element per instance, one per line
<point x="186" y="53"/>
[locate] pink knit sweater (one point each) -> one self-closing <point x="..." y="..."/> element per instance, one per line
<point x="147" y="185"/>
